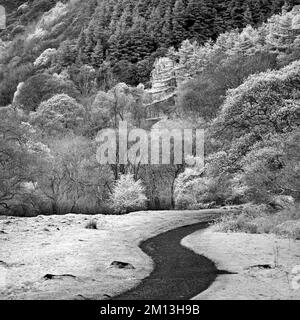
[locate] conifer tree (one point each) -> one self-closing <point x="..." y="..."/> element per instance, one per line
<point x="166" y="31"/>
<point x="247" y="39"/>
<point x="117" y="12"/>
<point x="200" y="20"/>
<point x="98" y="56"/>
<point x="237" y="14"/>
<point x="179" y="22"/>
<point x="282" y="36"/>
<point x="276" y="6"/>
<point x="82" y="57"/>
<point x="155" y="24"/>
<point x="248" y="17"/>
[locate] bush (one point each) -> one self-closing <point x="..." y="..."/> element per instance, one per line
<point x="242" y="222"/>
<point x="261" y="219"/>
<point x="189" y="190"/>
<point x="128" y="195"/>
<point x="289" y="229"/>
<point x="193" y="192"/>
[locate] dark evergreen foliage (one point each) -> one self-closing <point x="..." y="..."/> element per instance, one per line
<point x="126" y="36"/>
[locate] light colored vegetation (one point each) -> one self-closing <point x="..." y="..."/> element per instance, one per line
<point x="262" y="219"/>
<point x="75" y="68"/>
<point x="128" y="195"/>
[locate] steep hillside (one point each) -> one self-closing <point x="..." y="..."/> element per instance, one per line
<point x="71" y="68"/>
<point x="119" y="38"/>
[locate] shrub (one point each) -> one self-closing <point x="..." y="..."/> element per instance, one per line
<point x="128" y="195"/>
<point x="261" y="219"/>
<point x="193" y="192"/>
<point x="289" y="229"/>
<point x="237" y="223"/>
<point x="189" y="190"/>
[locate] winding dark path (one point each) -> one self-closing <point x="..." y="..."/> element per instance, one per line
<point x="179" y="273"/>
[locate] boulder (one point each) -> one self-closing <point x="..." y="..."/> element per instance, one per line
<point x="122" y="265"/>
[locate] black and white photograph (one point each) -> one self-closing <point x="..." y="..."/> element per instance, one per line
<point x="149" y="150"/>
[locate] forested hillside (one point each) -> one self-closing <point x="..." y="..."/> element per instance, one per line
<point x="71" y="68"/>
<point x="119" y="38"/>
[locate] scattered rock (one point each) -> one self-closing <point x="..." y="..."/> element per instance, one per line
<point x="92" y="225"/>
<point x="4" y="264"/>
<point x="10" y="265"/>
<point x="59" y="277"/>
<point x="122" y="265"/>
<point x="225" y="272"/>
<point x="261" y="266"/>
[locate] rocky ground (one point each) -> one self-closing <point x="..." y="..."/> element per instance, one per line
<point x="56" y="257"/>
<point x="266" y="267"/>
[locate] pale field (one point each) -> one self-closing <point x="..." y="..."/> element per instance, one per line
<point x="239" y="253"/>
<point x="31" y="248"/>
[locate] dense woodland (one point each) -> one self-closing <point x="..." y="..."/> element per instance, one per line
<point x="119" y="38"/>
<point x="71" y="68"/>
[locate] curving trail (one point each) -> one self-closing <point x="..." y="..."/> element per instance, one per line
<point x="179" y="273"/>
